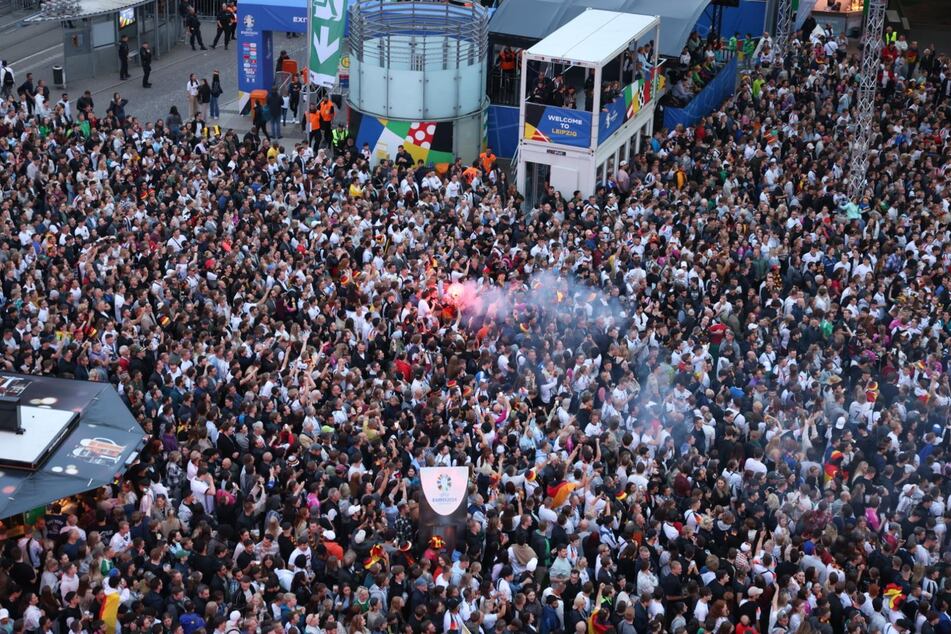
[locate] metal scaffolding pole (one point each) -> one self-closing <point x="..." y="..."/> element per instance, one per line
<point x="785" y="16"/>
<point x="871" y="54"/>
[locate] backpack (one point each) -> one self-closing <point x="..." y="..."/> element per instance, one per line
<point x="8" y="77"/>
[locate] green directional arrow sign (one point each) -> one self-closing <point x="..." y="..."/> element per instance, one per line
<point x="325" y="39"/>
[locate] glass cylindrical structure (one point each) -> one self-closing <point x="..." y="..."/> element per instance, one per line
<point x="418" y="61"/>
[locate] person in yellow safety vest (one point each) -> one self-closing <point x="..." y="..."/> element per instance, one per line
<point x="891" y="36"/>
<point x="340" y="136"/>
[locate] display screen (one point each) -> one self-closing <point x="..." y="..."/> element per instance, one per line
<point x="126" y="17"/>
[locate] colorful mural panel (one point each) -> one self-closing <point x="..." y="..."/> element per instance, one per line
<point x="426" y="141"/>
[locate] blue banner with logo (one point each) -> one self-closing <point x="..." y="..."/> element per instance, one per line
<point x="611" y="118"/>
<point x="549" y="124"/>
<point x="255" y="49"/>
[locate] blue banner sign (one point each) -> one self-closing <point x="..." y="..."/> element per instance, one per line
<point x="549" y="124"/>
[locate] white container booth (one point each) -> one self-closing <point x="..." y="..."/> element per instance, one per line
<point x="607" y="64"/>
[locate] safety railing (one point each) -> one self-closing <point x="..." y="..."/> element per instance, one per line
<point x="419" y="35"/>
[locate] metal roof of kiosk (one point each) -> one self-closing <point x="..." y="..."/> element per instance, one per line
<point x="83" y="9"/>
<point x="593" y="38"/>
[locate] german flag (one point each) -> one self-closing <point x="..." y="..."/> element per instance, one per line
<point x="534" y="134"/>
<point x="376" y="554"/>
<point x="893" y="596"/>
<point x="109" y="611"/>
<point x="559" y="492"/>
<point x="832" y="467"/>
<point x="597" y="624"/>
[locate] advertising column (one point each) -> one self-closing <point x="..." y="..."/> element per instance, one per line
<point x="443" y="508"/>
<point x="255" y="54"/>
<point x="325" y="35"/>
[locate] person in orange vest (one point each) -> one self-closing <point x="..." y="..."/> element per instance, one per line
<point x="313" y="120"/>
<point x="471" y="173"/>
<point x="327" y="112"/>
<point x="507" y="64"/>
<point x="487" y="159"/>
<point x="507" y="60"/>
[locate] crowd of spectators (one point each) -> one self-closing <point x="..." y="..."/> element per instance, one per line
<point x="734" y="419"/>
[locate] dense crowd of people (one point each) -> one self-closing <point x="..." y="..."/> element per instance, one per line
<point x="730" y="415"/>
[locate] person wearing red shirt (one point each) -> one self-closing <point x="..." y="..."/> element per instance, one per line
<point x="333" y="548"/>
<point x="403" y="367"/>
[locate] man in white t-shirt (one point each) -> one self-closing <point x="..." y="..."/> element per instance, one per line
<point x="122" y="540"/>
<point x="203" y="486"/>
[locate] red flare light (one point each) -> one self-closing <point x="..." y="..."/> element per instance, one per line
<point x="454" y="292"/>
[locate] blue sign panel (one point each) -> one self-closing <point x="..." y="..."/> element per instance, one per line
<point x="611" y="118"/>
<point x="549" y="124"/>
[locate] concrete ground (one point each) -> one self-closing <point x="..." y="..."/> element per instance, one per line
<point x="37" y="48"/>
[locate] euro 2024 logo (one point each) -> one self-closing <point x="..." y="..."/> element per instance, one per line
<point x="444" y="483"/>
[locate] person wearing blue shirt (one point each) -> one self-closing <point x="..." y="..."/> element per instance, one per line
<point x="190" y="621"/>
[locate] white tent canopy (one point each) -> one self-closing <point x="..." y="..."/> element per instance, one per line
<point x="594" y="37"/>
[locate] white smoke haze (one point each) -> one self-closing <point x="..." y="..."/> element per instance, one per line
<point x="548" y="296"/>
<point x="545" y="293"/>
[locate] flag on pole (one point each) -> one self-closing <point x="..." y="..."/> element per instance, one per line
<point x="325" y="30"/>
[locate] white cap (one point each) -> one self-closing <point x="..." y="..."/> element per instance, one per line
<point x="353" y="509"/>
<point x="840" y="422"/>
<point x="234" y="616"/>
<point x="360" y="536"/>
<point x="330" y="535"/>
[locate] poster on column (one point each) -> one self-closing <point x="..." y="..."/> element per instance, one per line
<point x="325" y="39"/>
<point x="249" y="63"/>
<point x="550" y="124"/>
<point x="443" y="509"/>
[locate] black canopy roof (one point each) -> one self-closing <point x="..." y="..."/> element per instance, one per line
<point x="93" y="451"/>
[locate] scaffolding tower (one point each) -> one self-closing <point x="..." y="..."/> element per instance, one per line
<point x="785" y="16"/>
<point x="868" y="83"/>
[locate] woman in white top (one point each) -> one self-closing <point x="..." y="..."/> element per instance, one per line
<point x="191" y="91"/>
